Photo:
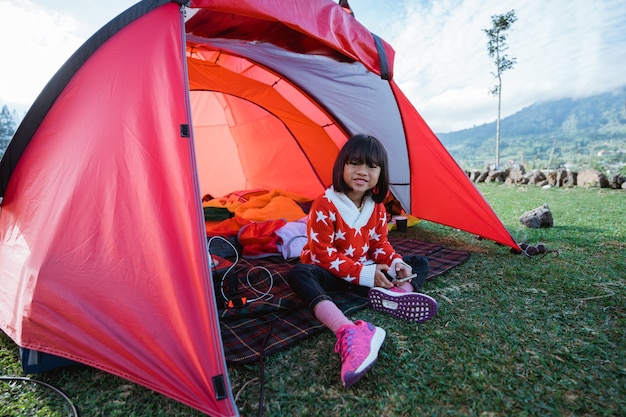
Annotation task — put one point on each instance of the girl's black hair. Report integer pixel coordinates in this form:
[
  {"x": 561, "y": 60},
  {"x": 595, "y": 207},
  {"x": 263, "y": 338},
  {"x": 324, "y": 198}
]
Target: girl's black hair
[{"x": 368, "y": 150}]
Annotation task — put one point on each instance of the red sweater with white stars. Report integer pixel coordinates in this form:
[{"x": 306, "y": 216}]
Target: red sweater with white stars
[{"x": 348, "y": 242}]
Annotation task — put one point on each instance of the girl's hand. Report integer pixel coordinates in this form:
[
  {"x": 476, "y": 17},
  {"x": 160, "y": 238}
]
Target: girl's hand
[
  {"x": 380, "y": 277},
  {"x": 402, "y": 270}
]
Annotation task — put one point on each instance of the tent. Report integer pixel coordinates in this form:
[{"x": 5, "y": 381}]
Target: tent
[{"x": 103, "y": 249}]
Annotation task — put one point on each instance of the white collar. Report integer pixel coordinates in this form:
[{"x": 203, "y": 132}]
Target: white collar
[{"x": 350, "y": 213}]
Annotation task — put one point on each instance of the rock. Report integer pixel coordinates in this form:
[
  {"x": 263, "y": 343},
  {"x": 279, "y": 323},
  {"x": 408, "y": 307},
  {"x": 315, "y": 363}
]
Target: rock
[
  {"x": 571, "y": 179},
  {"x": 617, "y": 182},
  {"x": 482, "y": 177},
  {"x": 496, "y": 176},
  {"x": 561, "y": 176},
  {"x": 539, "y": 217},
  {"x": 535, "y": 177},
  {"x": 556, "y": 178},
  {"x": 516, "y": 174},
  {"x": 474, "y": 175},
  {"x": 592, "y": 178}
]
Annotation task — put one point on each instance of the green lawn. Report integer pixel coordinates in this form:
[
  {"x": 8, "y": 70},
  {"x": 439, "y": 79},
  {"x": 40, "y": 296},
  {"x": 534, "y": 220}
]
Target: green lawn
[{"x": 515, "y": 336}]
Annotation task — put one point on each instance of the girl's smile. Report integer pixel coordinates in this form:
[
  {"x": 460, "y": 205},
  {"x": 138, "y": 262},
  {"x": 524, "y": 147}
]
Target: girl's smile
[{"x": 361, "y": 178}]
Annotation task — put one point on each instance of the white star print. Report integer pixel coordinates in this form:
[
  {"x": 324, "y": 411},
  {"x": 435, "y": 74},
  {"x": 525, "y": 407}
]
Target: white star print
[
  {"x": 374, "y": 235},
  {"x": 350, "y": 251},
  {"x": 379, "y": 251},
  {"x": 330, "y": 250},
  {"x": 321, "y": 217},
  {"x": 314, "y": 258},
  {"x": 332, "y": 215},
  {"x": 314, "y": 236},
  {"x": 340, "y": 235},
  {"x": 335, "y": 264},
  {"x": 349, "y": 278}
]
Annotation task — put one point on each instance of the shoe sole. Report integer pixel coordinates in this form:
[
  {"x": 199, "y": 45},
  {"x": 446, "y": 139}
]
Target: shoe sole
[
  {"x": 377, "y": 341},
  {"x": 412, "y": 307}
]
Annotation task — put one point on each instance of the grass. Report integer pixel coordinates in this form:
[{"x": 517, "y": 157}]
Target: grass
[{"x": 514, "y": 335}]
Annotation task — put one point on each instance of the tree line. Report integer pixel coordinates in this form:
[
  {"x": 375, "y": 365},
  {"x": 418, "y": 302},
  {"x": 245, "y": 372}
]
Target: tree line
[{"x": 8, "y": 125}]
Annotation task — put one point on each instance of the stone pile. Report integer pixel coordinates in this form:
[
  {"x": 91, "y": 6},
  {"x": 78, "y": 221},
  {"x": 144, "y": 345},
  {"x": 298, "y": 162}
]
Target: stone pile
[{"x": 561, "y": 177}]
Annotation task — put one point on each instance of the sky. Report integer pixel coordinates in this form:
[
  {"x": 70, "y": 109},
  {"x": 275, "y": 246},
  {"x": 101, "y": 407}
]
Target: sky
[{"x": 563, "y": 48}]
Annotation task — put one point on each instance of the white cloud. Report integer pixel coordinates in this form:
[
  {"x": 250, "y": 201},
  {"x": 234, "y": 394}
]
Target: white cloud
[
  {"x": 35, "y": 43},
  {"x": 564, "y": 48}
]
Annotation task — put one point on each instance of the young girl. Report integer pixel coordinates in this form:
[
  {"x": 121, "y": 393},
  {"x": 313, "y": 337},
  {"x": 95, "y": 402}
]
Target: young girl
[{"x": 347, "y": 245}]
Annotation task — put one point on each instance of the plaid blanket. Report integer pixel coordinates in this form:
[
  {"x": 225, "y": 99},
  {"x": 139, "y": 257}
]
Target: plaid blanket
[{"x": 277, "y": 319}]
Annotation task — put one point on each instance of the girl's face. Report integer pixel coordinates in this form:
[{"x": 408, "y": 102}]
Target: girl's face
[{"x": 361, "y": 177}]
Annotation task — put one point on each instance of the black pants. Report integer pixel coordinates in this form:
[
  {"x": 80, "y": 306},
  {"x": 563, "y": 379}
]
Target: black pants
[{"x": 312, "y": 283}]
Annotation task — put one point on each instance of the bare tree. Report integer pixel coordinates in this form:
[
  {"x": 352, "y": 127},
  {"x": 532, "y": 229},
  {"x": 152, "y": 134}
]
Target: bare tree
[{"x": 496, "y": 46}]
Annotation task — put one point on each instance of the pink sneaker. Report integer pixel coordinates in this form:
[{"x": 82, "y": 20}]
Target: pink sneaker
[
  {"x": 358, "y": 346},
  {"x": 409, "y": 306}
]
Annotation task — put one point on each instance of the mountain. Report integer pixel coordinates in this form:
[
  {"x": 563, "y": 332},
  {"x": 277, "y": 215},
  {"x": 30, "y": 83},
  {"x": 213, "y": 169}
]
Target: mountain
[
  {"x": 589, "y": 131},
  {"x": 569, "y": 132}
]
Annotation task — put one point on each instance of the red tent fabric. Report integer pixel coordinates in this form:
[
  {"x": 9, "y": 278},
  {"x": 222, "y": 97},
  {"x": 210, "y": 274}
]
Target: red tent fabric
[
  {"x": 103, "y": 249},
  {"x": 103, "y": 254}
]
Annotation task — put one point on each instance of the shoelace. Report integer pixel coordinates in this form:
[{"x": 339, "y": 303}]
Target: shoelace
[{"x": 344, "y": 342}]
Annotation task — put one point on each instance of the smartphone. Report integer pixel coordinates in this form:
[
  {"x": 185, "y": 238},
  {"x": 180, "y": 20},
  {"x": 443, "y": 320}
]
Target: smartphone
[{"x": 404, "y": 279}]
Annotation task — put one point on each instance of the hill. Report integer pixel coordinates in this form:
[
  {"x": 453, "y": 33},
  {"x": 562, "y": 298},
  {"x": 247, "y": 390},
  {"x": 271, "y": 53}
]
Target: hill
[
  {"x": 587, "y": 132},
  {"x": 569, "y": 132}
]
